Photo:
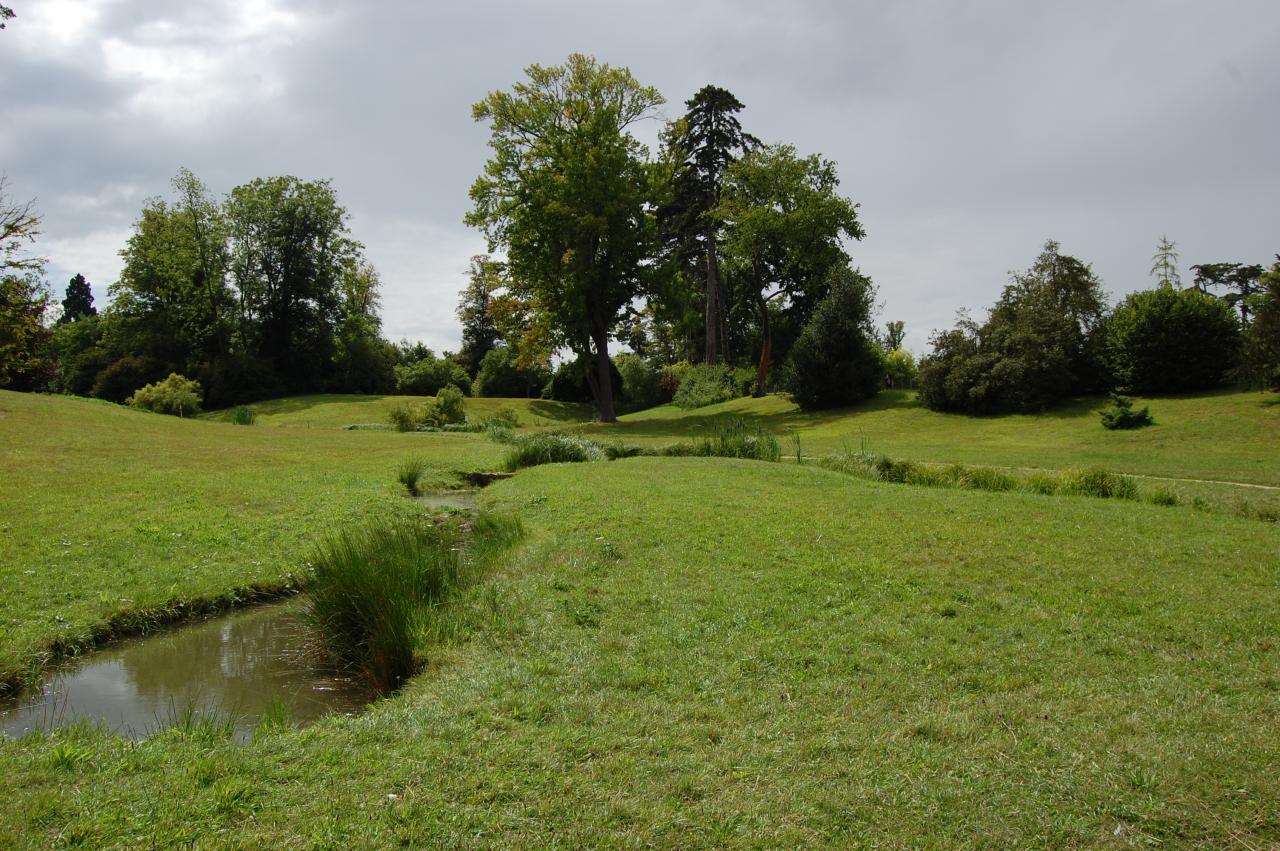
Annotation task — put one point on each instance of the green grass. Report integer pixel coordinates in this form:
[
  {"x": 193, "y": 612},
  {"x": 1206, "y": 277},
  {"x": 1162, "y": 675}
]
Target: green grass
[
  {"x": 804, "y": 659},
  {"x": 112, "y": 519},
  {"x": 1229, "y": 435},
  {"x": 339, "y": 411},
  {"x": 683, "y": 652}
]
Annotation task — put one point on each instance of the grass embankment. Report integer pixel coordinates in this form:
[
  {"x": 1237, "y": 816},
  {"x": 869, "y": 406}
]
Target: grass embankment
[
  {"x": 113, "y": 519},
  {"x": 1226, "y": 436},
  {"x": 335, "y": 411},
  {"x": 698, "y": 652}
]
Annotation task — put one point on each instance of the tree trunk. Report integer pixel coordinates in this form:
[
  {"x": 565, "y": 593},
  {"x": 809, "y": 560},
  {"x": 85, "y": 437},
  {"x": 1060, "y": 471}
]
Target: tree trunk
[
  {"x": 766, "y": 345},
  {"x": 713, "y": 300},
  {"x": 602, "y": 387}
]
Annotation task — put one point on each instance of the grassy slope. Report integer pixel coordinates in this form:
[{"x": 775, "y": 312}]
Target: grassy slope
[
  {"x": 337, "y": 411},
  {"x": 105, "y": 509},
  {"x": 803, "y": 658},
  {"x": 1229, "y": 435}
]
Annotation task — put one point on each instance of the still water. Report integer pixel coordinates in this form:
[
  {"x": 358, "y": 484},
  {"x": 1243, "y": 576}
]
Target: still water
[{"x": 240, "y": 665}]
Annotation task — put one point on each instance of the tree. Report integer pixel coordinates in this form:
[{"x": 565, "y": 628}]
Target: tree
[
  {"x": 1234, "y": 276},
  {"x": 835, "y": 362},
  {"x": 24, "y": 297},
  {"x": 79, "y": 301},
  {"x": 895, "y": 332},
  {"x": 784, "y": 222},
  {"x": 704, "y": 143},
  {"x": 6, "y": 14},
  {"x": 1261, "y": 352},
  {"x": 1169, "y": 341},
  {"x": 1164, "y": 265},
  {"x": 1040, "y": 344},
  {"x": 566, "y": 194},
  {"x": 19, "y": 224},
  {"x": 479, "y": 333}
]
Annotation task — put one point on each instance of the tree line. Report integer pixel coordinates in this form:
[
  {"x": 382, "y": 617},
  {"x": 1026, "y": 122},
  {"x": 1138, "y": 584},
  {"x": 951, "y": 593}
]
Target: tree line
[{"x": 720, "y": 261}]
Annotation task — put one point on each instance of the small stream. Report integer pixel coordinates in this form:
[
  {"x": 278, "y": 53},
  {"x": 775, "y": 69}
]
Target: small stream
[{"x": 239, "y": 665}]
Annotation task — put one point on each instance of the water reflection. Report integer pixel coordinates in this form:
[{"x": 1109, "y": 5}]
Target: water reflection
[{"x": 240, "y": 664}]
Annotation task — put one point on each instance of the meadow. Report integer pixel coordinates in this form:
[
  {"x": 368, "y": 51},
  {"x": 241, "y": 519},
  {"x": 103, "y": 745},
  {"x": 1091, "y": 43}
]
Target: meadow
[{"x": 688, "y": 652}]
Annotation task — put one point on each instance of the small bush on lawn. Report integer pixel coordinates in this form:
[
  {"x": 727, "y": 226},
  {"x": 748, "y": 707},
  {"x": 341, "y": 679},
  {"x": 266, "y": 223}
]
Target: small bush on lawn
[
  {"x": 1122, "y": 415},
  {"x": 704, "y": 385},
  {"x": 1098, "y": 483},
  {"x": 176, "y": 395},
  {"x": 448, "y": 408},
  {"x": 550, "y": 447},
  {"x": 243, "y": 415}
]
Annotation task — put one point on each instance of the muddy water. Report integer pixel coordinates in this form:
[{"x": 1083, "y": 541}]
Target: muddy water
[
  {"x": 459, "y": 500},
  {"x": 240, "y": 665}
]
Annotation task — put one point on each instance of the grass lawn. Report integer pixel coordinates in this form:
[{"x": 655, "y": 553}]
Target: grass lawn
[
  {"x": 683, "y": 652},
  {"x": 701, "y": 652},
  {"x": 1229, "y": 435}
]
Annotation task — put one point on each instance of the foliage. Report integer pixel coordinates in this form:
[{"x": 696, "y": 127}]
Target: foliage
[
  {"x": 740, "y": 438},
  {"x": 1121, "y": 415},
  {"x": 551, "y": 447},
  {"x": 566, "y": 194},
  {"x": 502, "y": 375},
  {"x": 1261, "y": 352},
  {"x": 640, "y": 380},
  {"x": 23, "y": 336},
  {"x": 894, "y": 333},
  {"x": 410, "y": 473},
  {"x": 479, "y": 333},
  {"x": 784, "y": 222},
  {"x": 75, "y": 348},
  {"x": 1240, "y": 279},
  {"x": 78, "y": 302},
  {"x": 701, "y": 145},
  {"x": 835, "y": 362},
  {"x": 1171, "y": 341},
  {"x": 243, "y": 415},
  {"x": 448, "y": 407},
  {"x": 1039, "y": 345},
  {"x": 176, "y": 395},
  {"x": 705, "y": 384},
  {"x": 901, "y": 366},
  {"x": 571, "y": 381},
  {"x": 19, "y": 225},
  {"x": 1164, "y": 264},
  {"x": 118, "y": 381},
  {"x": 427, "y": 376}
]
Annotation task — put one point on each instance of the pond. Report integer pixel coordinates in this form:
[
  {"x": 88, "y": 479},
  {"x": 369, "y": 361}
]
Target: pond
[{"x": 239, "y": 665}]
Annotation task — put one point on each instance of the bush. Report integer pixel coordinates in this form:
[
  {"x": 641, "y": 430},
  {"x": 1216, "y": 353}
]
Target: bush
[
  {"x": 243, "y": 415},
  {"x": 1097, "y": 483},
  {"x": 1171, "y": 341},
  {"x": 1261, "y": 360},
  {"x": 640, "y": 380},
  {"x": 447, "y": 408},
  {"x": 569, "y": 382},
  {"x": 427, "y": 377},
  {"x": 175, "y": 395},
  {"x": 500, "y": 375},
  {"x": 835, "y": 362},
  {"x": 551, "y": 447},
  {"x": 704, "y": 385},
  {"x": 1121, "y": 414},
  {"x": 119, "y": 380}
]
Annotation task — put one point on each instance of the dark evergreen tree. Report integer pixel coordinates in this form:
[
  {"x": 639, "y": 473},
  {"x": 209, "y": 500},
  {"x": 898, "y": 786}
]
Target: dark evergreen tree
[
  {"x": 704, "y": 143},
  {"x": 836, "y": 361},
  {"x": 1239, "y": 279},
  {"x": 479, "y": 333},
  {"x": 79, "y": 301}
]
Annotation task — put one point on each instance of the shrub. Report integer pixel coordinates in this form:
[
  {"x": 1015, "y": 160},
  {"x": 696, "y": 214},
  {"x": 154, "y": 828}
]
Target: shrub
[
  {"x": 119, "y": 380},
  {"x": 551, "y": 447},
  {"x": 501, "y": 375},
  {"x": 640, "y": 380},
  {"x": 232, "y": 379},
  {"x": 243, "y": 415},
  {"x": 669, "y": 380},
  {"x": 1171, "y": 341},
  {"x": 569, "y": 382},
  {"x": 428, "y": 376},
  {"x": 901, "y": 366},
  {"x": 409, "y": 473},
  {"x": 1097, "y": 483},
  {"x": 175, "y": 395},
  {"x": 448, "y": 407},
  {"x": 1122, "y": 415},
  {"x": 835, "y": 362},
  {"x": 704, "y": 385},
  {"x": 404, "y": 417},
  {"x": 1261, "y": 357},
  {"x": 1163, "y": 496}
]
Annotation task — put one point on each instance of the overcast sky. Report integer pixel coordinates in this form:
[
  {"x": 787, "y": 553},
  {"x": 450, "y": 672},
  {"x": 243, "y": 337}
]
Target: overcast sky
[{"x": 969, "y": 132}]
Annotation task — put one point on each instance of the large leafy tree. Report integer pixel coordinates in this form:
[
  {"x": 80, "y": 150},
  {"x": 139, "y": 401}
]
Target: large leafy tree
[
  {"x": 1261, "y": 366},
  {"x": 703, "y": 144},
  {"x": 566, "y": 193},
  {"x": 1169, "y": 341},
  {"x": 784, "y": 224},
  {"x": 1040, "y": 344}
]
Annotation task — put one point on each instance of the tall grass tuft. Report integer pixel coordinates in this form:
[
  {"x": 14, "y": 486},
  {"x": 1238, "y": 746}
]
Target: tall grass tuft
[
  {"x": 410, "y": 473},
  {"x": 551, "y": 447},
  {"x": 243, "y": 415},
  {"x": 376, "y": 589}
]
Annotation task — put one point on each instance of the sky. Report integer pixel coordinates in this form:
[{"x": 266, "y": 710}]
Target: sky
[{"x": 969, "y": 132}]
